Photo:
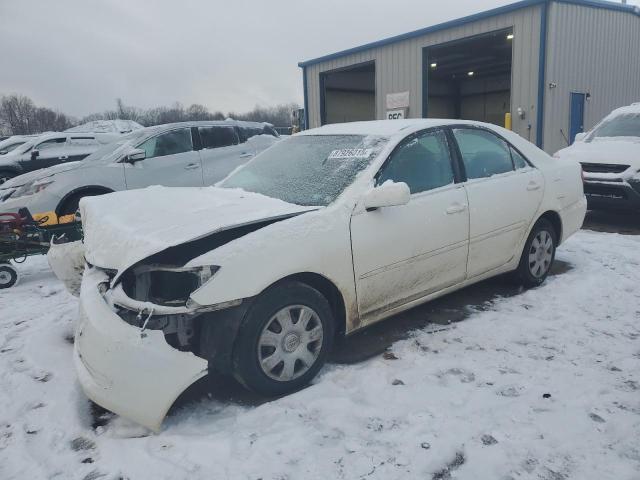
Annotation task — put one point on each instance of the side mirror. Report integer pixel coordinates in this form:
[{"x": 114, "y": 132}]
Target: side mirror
[
  {"x": 388, "y": 194},
  {"x": 580, "y": 137},
  {"x": 135, "y": 155},
  {"x": 34, "y": 154}
]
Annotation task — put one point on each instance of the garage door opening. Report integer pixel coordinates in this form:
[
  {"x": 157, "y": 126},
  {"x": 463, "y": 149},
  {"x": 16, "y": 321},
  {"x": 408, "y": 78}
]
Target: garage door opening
[
  {"x": 470, "y": 79},
  {"x": 348, "y": 94}
]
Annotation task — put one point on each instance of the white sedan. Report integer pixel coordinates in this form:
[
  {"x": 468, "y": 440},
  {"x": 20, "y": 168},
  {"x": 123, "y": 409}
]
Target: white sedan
[{"x": 321, "y": 235}]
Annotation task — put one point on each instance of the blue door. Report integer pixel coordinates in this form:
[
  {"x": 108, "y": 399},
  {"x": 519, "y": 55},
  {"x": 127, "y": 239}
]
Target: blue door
[{"x": 576, "y": 116}]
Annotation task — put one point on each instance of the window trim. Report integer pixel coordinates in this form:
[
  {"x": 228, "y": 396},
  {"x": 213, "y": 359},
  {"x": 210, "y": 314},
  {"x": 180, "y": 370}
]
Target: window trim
[
  {"x": 452, "y": 160},
  {"x": 37, "y": 147},
  {"x": 458, "y": 152}
]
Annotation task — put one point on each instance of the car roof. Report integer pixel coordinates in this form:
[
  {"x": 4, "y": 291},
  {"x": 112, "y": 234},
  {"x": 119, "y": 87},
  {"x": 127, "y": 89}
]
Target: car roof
[
  {"x": 204, "y": 123},
  {"x": 387, "y": 128}
]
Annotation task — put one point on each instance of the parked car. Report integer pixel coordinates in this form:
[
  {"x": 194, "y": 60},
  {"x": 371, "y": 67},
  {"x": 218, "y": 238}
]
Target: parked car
[
  {"x": 610, "y": 158},
  {"x": 325, "y": 233},
  {"x": 11, "y": 143},
  {"x": 176, "y": 155},
  {"x": 50, "y": 149},
  {"x": 106, "y": 126}
]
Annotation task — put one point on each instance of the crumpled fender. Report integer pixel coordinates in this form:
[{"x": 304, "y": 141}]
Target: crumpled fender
[{"x": 67, "y": 262}]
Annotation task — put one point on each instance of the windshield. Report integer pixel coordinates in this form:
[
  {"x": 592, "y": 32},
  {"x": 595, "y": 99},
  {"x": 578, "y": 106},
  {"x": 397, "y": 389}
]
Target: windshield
[
  {"x": 110, "y": 151},
  {"x": 10, "y": 146},
  {"x": 626, "y": 125},
  {"x": 307, "y": 170}
]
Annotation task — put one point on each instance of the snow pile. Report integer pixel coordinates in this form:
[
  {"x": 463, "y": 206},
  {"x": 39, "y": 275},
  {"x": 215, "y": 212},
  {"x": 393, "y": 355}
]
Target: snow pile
[
  {"x": 542, "y": 385},
  {"x": 106, "y": 126}
]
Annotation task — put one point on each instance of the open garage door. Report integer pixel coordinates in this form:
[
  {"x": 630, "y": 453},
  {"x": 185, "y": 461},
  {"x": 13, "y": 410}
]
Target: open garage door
[
  {"x": 470, "y": 79},
  {"x": 348, "y": 94}
]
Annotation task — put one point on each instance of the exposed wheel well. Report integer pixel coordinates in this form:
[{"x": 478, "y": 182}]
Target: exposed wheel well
[
  {"x": 329, "y": 291},
  {"x": 79, "y": 193},
  {"x": 556, "y": 221}
]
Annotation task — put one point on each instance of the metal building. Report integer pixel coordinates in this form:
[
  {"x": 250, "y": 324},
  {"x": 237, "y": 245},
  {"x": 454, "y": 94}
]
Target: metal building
[{"x": 556, "y": 66}]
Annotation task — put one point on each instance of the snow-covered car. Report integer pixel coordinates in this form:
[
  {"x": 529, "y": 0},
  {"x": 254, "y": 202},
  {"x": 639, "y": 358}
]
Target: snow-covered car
[
  {"x": 49, "y": 149},
  {"x": 106, "y": 126},
  {"x": 180, "y": 154},
  {"x": 13, "y": 142},
  {"x": 325, "y": 233},
  {"x": 610, "y": 158}
]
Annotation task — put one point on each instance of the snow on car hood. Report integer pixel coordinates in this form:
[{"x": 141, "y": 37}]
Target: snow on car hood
[
  {"x": 39, "y": 174},
  {"x": 122, "y": 228},
  {"x": 617, "y": 152}
]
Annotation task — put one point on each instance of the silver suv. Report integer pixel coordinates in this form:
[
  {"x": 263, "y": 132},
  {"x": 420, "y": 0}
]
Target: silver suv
[{"x": 182, "y": 154}]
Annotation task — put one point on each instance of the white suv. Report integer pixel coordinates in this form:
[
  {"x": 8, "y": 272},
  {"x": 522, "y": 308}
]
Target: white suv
[
  {"x": 188, "y": 154},
  {"x": 610, "y": 158}
]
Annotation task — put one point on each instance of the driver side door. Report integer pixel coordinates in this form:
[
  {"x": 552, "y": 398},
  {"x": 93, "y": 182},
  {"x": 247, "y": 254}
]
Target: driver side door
[
  {"x": 170, "y": 161},
  {"x": 404, "y": 253}
]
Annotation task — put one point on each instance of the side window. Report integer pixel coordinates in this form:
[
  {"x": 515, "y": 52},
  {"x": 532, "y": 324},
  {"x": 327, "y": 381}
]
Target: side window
[
  {"x": 170, "y": 143},
  {"x": 51, "y": 144},
  {"x": 483, "y": 153},
  {"x": 423, "y": 163},
  {"x": 216, "y": 137},
  {"x": 518, "y": 160},
  {"x": 84, "y": 142}
]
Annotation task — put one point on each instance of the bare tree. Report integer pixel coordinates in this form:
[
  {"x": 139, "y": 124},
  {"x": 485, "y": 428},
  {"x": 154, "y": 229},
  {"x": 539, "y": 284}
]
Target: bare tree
[{"x": 20, "y": 116}]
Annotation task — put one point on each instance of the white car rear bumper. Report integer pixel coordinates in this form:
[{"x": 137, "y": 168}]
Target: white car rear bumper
[
  {"x": 134, "y": 374},
  {"x": 573, "y": 217}
]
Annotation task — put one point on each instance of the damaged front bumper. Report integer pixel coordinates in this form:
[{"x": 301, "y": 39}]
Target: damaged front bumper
[{"x": 131, "y": 371}]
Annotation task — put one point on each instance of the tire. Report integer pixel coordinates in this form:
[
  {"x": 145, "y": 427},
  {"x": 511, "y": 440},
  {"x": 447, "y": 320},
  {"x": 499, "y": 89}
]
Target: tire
[
  {"x": 6, "y": 175},
  {"x": 274, "y": 353},
  {"x": 70, "y": 205},
  {"x": 538, "y": 254},
  {"x": 8, "y": 276}
]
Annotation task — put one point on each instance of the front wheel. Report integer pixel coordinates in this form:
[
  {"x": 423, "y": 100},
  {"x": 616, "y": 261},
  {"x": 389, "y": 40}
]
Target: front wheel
[
  {"x": 538, "y": 254},
  {"x": 8, "y": 276},
  {"x": 285, "y": 339}
]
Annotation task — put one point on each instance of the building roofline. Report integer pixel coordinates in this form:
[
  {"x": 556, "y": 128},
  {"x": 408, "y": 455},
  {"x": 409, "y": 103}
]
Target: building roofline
[{"x": 602, "y": 4}]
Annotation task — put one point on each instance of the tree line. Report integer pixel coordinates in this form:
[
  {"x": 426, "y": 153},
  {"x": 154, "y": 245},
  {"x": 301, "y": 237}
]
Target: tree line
[{"x": 19, "y": 115}]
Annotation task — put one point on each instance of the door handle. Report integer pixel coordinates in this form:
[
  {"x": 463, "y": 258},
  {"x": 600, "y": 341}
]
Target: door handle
[
  {"x": 533, "y": 186},
  {"x": 192, "y": 166},
  {"x": 246, "y": 155},
  {"x": 456, "y": 208},
  {"x": 63, "y": 157}
]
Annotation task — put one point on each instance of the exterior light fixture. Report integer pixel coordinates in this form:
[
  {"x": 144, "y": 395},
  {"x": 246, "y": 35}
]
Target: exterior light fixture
[
  {"x": 434, "y": 65},
  {"x": 471, "y": 74},
  {"x": 510, "y": 36}
]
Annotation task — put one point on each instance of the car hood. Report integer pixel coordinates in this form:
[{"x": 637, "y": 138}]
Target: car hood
[
  {"x": 39, "y": 174},
  {"x": 123, "y": 228},
  {"x": 616, "y": 152}
]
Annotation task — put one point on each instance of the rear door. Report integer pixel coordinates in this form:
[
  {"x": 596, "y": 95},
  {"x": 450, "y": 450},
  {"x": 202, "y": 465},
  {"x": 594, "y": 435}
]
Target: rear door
[
  {"x": 170, "y": 160},
  {"x": 45, "y": 154},
  {"x": 222, "y": 151},
  {"x": 80, "y": 146},
  {"x": 504, "y": 193},
  {"x": 402, "y": 253}
]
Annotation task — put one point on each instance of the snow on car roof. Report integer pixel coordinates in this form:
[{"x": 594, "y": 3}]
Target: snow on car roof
[
  {"x": 634, "y": 108},
  {"x": 384, "y": 127},
  {"x": 106, "y": 126}
]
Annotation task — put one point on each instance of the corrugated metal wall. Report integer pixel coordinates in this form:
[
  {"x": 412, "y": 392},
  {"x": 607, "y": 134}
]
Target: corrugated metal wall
[
  {"x": 589, "y": 50},
  {"x": 399, "y": 66}
]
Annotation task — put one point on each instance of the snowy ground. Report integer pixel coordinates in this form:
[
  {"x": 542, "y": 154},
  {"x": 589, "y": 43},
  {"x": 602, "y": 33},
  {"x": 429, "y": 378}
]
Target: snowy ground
[{"x": 542, "y": 385}]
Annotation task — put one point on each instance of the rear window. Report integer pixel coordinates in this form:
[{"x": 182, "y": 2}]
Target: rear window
[{"x": 216, "y": 137}]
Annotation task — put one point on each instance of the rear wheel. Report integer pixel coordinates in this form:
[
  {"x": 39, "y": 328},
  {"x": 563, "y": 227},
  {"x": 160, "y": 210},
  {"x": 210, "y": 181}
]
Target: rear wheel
[
  {"x": 538, "y": 254},
  {"x": 284, "y": 340},
  {"x": 8, "y": 275}
]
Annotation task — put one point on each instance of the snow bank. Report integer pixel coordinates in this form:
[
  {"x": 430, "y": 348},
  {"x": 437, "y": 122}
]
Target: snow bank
[{"x": 542, "y": 385}]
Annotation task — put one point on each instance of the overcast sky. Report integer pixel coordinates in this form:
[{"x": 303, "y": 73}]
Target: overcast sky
[{"x": 77, "y": 56}]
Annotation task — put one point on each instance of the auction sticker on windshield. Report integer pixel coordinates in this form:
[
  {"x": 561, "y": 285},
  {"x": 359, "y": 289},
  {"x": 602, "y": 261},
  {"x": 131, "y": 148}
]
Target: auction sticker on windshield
[{"x": 350, "y": 153}]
